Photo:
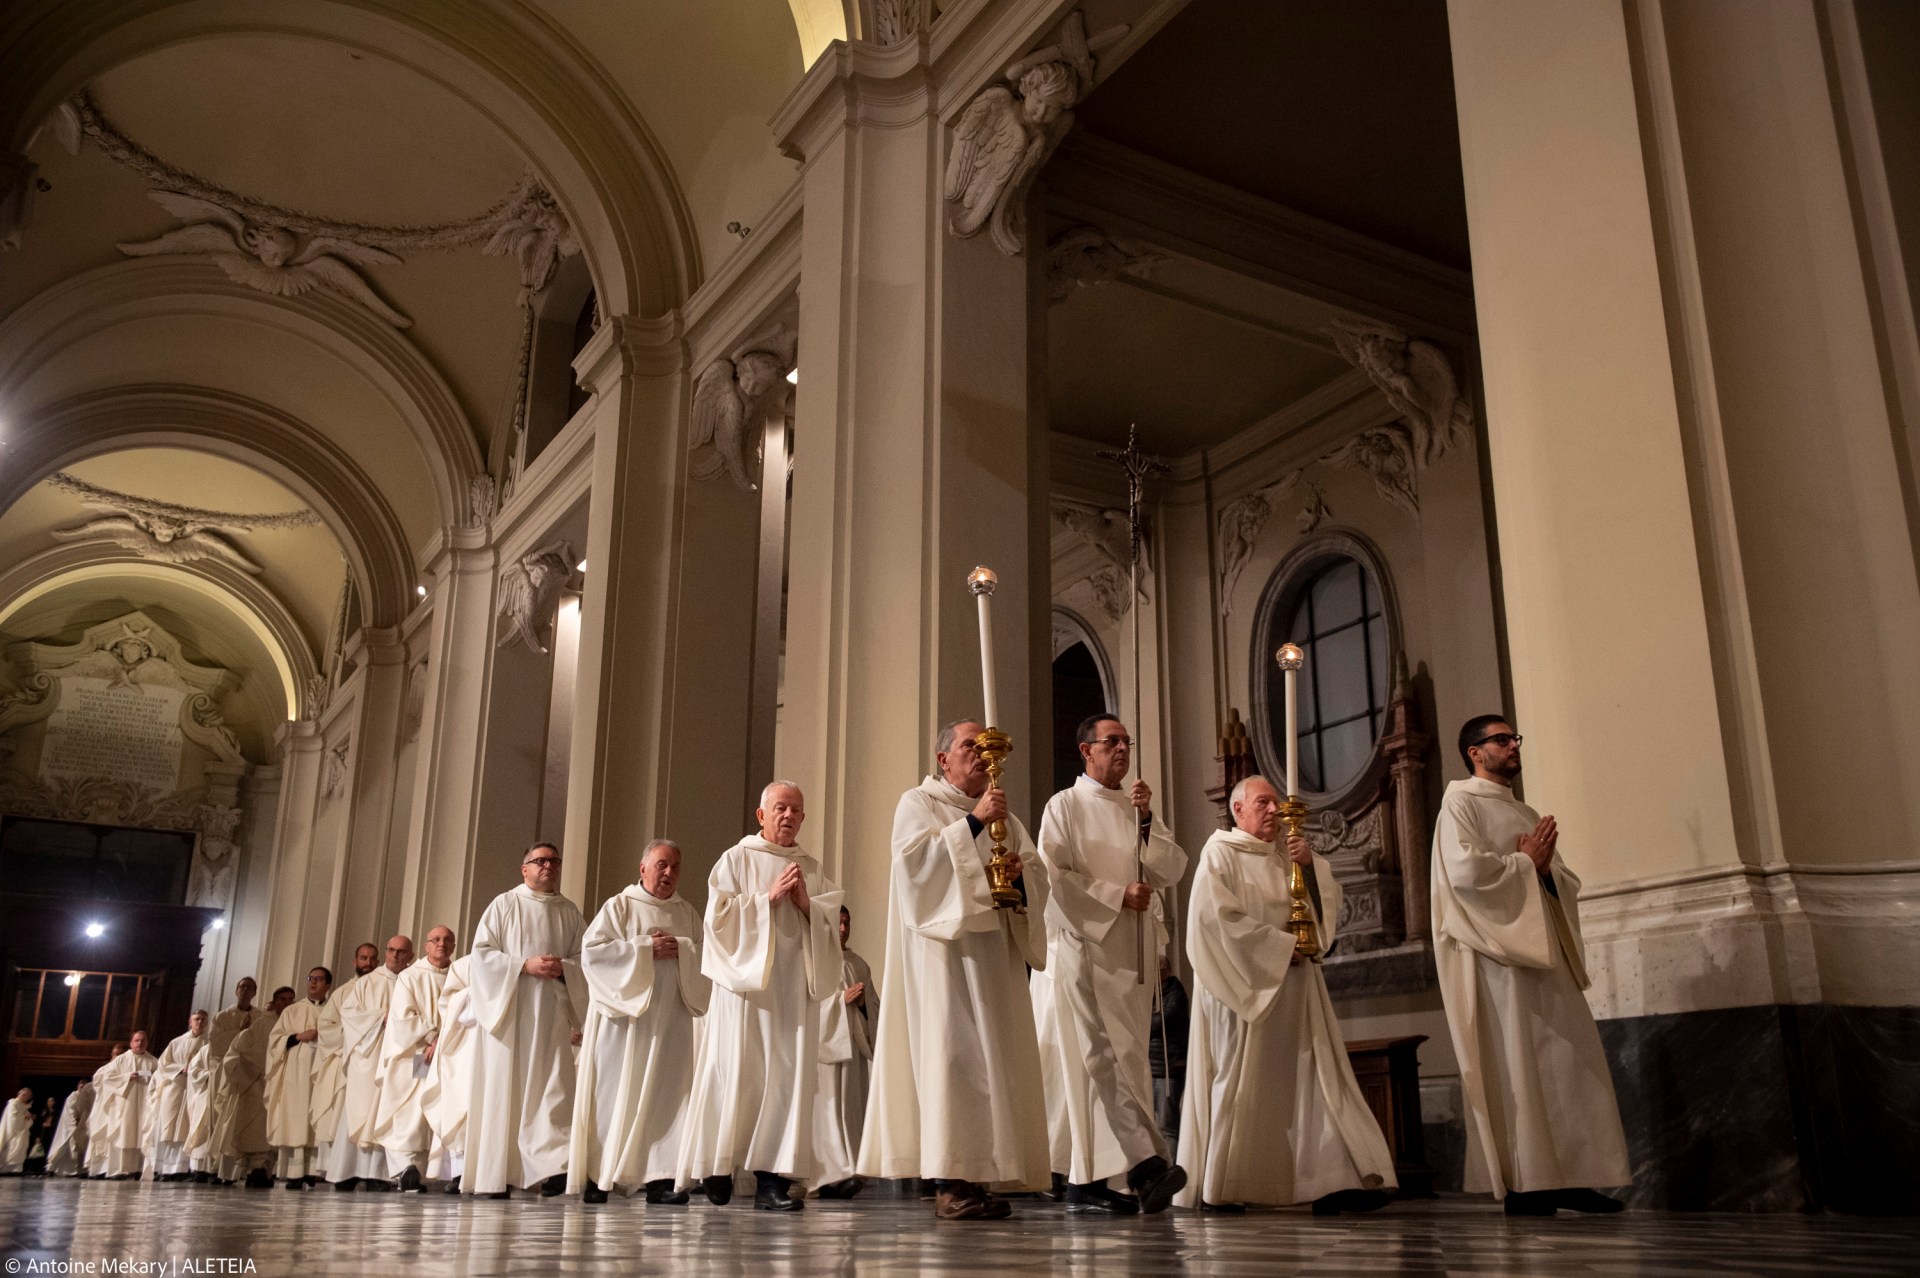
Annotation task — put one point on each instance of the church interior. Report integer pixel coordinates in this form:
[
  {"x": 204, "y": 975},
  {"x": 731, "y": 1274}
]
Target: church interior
[{"x": 430, "y": 427}]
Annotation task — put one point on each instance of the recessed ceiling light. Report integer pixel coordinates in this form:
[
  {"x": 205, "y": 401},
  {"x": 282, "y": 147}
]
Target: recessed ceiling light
[
  {"x": 96, "y": 930},
  {"x": 73, "y": 978}
]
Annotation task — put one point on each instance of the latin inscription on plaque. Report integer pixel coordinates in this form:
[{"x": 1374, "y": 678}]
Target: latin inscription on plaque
[{"x": 128, "y": 732}]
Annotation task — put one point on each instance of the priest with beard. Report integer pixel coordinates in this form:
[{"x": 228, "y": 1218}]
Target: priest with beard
[
  {"x": 170, "y": 1103},
  {"x": 1106, "y": 856},
  {"x": 303, "y": 1083},
  {"x": 641, "y": 957},
  {"x": 956, "y": 1096},
  {"x": 1273, "y": 1114},
  {"x": 771, "y": 955},
  {"x": 67, "y": 1151},
  {"x": 1543, "y": 1127},
  {"x": 240, "y": 1144},
  {"x": 846, "y": 1070},
  {"x": 356, "y": 1157},
  {"x": 120, "y": 1111},
  {"x": 528, "y": 996},
  {"x": 406, "y": 1062}
]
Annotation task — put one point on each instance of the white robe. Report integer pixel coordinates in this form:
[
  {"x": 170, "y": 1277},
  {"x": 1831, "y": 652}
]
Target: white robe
[
  {"x": 354, "y": 1152},
  {"x": 956, "y": 1069},
  {"x": 170, "y": 1106},
  {"x": 221, "y": 1031},
  {"x": 520, "y": 1108},
  {"x": 16, "y": 1134},
  {"x": 96, "y": 1151},
  {"x": 413, "y": 1023},
  {"x": 240, "y": 1141},
  {"x": 752, "y": 1106},
  {"x": 1272, "y": 1113},
  {"x": 1541, "y": 1112},
  {"x": 637, "y": 1051},
  {"x": 846, "y": 1069},
  {"x": 1101, "y": 1008},
  {"x": 118, "y": 1130},
  {"x": 67, "y": 1154},
  {"x": 303, "y": 1087},
  {"x": 450, "y": 1078}
]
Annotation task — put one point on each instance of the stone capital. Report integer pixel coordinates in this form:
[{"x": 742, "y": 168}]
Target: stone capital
[{"x": 632, "y": 346}]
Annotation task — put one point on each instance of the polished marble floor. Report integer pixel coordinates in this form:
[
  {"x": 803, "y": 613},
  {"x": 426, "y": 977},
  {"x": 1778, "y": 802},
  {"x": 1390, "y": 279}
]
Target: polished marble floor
[{"x": 328, "y": 1233}]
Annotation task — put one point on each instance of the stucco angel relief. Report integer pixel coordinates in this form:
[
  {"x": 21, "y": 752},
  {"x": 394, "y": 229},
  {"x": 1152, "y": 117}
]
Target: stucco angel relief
[
  {"x": 1008, "y": 131},
  {"x": 271, "y": 259},
  {"x": 733, "y": 397}
]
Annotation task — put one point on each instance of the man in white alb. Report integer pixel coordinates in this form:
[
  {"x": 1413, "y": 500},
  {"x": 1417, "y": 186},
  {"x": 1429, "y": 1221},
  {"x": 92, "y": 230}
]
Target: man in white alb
[
  {"x": 771, "y": 955},
  {"x": 16, "y": 1133},
  {"x": 641, "y": 957},
  {"x": 846, "y": 1055},
  {"x": 406, "y": 1059},
  {"x": 956, "y": 1095},
  {"x": 221, "y": 1031},
  {"x": 528, "y": 997},
  {"x": 1106, "y": 856},
  {"x": 450, "y": 1078},
  {"x": 1273, "y": 1114},
  {"x": 1543, "y": 1127},
  {"x": 120, "y": 1111},
  {"x": 170, "y": 1103},
  {"x": 95, "y": 1155},
  {"x": 67, "y": 1151},
  {"x": 303, "y": 1083},
  {"x": 356, "y": 1157},
  {"x": 240, "y": 1144}
]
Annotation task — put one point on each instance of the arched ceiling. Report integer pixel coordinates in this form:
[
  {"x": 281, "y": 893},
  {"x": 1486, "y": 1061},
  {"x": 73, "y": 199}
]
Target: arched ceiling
[{"x": 302, "y": 567}]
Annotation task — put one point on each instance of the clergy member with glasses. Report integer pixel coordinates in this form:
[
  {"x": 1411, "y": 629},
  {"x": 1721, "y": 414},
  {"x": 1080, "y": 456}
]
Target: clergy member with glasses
[{"x": 1543, "y": 1128}]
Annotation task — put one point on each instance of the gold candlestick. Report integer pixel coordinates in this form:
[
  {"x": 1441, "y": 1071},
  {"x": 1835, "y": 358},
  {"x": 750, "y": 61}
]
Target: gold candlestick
[
  {"x": 1306, "y": 938},
  {"x": 995, "y": 746}
]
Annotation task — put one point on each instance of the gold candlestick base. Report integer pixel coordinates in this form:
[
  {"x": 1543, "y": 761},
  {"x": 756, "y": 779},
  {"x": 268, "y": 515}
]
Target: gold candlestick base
[
  {"x": 995, "y": 746},
  {"x": 1306, "y": 937}
]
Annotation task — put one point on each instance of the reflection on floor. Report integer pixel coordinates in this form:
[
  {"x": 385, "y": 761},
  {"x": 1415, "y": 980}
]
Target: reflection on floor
[{"x": 329, "y": 1233}]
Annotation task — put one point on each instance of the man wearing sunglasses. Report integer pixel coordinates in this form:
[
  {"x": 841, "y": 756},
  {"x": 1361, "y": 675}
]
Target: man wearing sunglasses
[{"x": 1543, "y": 1127}]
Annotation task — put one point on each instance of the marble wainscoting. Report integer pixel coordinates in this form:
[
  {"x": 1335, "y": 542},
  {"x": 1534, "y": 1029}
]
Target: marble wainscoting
[{"x": 1773, "y": 1108}]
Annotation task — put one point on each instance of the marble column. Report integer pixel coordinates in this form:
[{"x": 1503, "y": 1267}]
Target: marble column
[
  {"x": 914, "y": 460},
  {"x": 369, "y": 906},
  {"x": 291, "y": 944}
]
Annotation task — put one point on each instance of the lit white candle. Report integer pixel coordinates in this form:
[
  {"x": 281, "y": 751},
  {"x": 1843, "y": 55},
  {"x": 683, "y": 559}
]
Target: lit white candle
[
  {"x": 982, "y": 581},
  {"x": 1291, "y": 659}
]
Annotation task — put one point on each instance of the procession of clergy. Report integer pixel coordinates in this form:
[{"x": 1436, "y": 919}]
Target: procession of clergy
[{"x": 655, "y": 1052}]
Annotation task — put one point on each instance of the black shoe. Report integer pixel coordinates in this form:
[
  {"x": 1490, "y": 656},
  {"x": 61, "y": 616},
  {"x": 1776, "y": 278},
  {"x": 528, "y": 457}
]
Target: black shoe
[
  {"x": 1057, "y": 1192},
  {"x": 1097, "y": 1197},
  {"x": 840, "y": 1188},
  {"x": 554, "y": 1185},
  {"x": 369, "y": 1185},
  {"x": 346, "y": 1186},
  {"x": 593, "y": 1194},
  {"x": 661, "y": 1193},
  {"x": 1354, "y": 1200},
  {"x": 1224, "y": 1209},
  {"x": 259, "y": 1178},
  {"x": 296, "y": 1183},
  {"x": 497, "y": 1195},
  {"x": 1586, "y": 1200},
  {"x": 1155, "y": 1183},
  {"x": 408, "y": 1181},
  {"x": 453, "y": 1186},
  {"x": 718, "y": 1189},
  {"x": 311, "y": 1182},
  {"x": 774, "y": 1194},
  {"x": 1539, "y": 1203}
]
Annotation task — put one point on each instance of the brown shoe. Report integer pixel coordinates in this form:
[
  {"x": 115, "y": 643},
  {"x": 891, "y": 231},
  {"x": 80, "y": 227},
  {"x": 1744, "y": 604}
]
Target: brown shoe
[{"x": 962, "y": 1204}]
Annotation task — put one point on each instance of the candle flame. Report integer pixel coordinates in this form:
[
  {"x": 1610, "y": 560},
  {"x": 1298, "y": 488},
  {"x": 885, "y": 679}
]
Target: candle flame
[
  {"x": 982, "y": 580},
  {"x": 1289, "y": 657}
]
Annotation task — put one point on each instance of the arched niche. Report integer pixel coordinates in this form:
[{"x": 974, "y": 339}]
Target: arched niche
[{"x": 1077, "y": 653}]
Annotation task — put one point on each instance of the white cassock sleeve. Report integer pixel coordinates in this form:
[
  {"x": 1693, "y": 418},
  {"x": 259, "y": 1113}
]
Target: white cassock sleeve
[
  {"x": 940, "y": 880},
  {"x": 493, "y": 969},
  {"x": 1088, "y": 904},
  {"x": 1499, "y": 906},
  {"x": 1241, "y": 960},
  {"x": 739, "y": 930}
]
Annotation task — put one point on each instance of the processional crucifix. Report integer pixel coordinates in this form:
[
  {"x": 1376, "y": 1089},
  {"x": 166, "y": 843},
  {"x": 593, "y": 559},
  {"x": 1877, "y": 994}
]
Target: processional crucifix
[{"x": 1138, "y": 467}]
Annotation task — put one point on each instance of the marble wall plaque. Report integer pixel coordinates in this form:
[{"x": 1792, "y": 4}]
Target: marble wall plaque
[{"x": 124, "y": 731}]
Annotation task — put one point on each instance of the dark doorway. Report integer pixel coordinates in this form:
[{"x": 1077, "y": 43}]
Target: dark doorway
[{"x": 1077, "y": 693}]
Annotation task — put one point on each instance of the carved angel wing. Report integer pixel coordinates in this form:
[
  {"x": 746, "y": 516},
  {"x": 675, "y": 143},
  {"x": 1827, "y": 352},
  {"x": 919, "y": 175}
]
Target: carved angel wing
[
  {"x": 1430, "y": 374},
  {"x": 338, "y": 276},
  {"x": 517, "y": 606},
  {"x": 719, "y": 426},
  {"x": 989, "y": 142},
  {"x": 332, "y": 246},
  {"x": 196, "y": 239},
  {"x": 118, "y": 529},
  {"x": 244, "y": 268},
  {"x": 192, "y": 209},
  {"x": 201, "y": 545}
]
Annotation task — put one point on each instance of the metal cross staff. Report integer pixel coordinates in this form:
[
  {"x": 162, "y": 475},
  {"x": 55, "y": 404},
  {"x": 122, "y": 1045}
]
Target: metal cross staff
[{"x": 1138, "y": 467}]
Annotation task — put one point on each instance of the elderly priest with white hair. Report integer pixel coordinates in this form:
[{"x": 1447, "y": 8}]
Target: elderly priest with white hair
[
  {"x": 1273, "y": 1114},
  {"x": 641, "y": 957},
  {"x": 1543, "y": 1127},
  {"x": 528, "y": 994},
  {"x": 772, "y": 955},
  {"x": 406, "y": 1058},
  {"x": 120, "y": 1111},
  {"x": 956, "y": 1096}
]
